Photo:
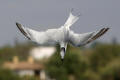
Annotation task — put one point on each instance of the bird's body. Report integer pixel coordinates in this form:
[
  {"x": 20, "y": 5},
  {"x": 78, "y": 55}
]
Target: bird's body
[{"x": 62, "y": 35}]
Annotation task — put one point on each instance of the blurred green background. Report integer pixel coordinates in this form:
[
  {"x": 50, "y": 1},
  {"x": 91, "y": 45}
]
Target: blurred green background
[{"x": 100, "y": 61}]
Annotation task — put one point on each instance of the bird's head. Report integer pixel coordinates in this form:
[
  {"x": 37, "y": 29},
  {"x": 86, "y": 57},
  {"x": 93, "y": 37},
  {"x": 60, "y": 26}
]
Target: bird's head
[{"x": 62, "y": 53}]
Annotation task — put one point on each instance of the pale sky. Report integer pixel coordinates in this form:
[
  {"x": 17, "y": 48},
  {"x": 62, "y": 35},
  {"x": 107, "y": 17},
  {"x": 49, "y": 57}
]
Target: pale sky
[{"x": 43, "y": 14}]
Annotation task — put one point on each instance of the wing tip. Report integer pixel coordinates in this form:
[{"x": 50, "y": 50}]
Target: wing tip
[
  {"x": 18, "y": 25},
  {"x": 106, "y": 29},
  {"x": 102, "y": 31}
]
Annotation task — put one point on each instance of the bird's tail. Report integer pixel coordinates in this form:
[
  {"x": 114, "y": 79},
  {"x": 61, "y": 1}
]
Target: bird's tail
[{"x": 71, "y": 19}]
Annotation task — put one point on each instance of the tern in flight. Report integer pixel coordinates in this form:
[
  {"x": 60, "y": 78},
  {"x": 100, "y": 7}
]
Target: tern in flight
[{"x": 62, "y": 35}]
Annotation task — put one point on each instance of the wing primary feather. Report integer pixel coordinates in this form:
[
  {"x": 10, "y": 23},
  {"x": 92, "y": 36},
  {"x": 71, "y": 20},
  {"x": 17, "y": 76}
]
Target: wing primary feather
[
  {"x": 19, "y": 26},
  {"x": 100, "y": 33},
  {"x": 103, "y": 32}
]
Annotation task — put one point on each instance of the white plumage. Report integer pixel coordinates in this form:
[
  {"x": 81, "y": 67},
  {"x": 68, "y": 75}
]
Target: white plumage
[{"x": 62, "y": 35}]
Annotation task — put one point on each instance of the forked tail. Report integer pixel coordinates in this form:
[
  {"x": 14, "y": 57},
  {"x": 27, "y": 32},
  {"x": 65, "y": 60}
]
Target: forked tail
[{"x": 71, "y": 19}]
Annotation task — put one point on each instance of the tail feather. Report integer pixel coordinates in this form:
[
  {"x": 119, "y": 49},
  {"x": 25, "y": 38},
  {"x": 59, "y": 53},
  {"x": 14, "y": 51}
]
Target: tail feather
[{"x": 71, "y": 20}]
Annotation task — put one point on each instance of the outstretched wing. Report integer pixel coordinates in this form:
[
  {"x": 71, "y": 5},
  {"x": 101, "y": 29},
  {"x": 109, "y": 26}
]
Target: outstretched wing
[
  {"x": 83, "y": 39},
  {"x": 42, "y": 38},
  {"x": 71, "y": 19}
]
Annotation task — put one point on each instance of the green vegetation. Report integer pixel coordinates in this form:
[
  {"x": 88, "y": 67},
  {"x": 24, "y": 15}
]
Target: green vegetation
[
  {"x": 8, "y": 75},
  {"x": 7, "y": 52},
  {"x": 99, "y": 62}
]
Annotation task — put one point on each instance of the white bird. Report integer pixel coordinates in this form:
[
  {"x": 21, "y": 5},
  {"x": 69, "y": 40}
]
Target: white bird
[{"x": 62, "y": 35}]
